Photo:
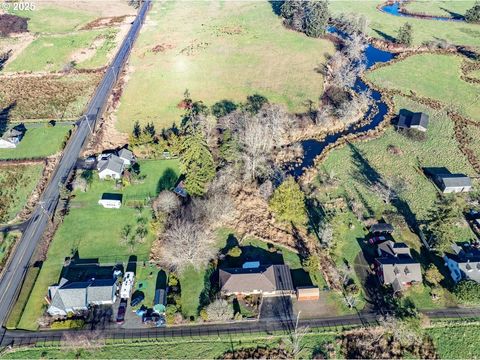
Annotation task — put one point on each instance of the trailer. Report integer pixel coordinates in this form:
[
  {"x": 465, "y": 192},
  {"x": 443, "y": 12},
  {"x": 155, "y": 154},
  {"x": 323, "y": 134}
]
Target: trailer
[{"x": 127, "y": 285}]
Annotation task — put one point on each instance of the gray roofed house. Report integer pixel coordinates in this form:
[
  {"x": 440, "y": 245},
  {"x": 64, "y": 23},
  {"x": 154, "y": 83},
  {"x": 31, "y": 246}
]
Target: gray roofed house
[
  {"x": 396, "y": 267},
  {"x": 71, "y": 297},
  {"x": 464, "y": 263},
  {"x": 449, "y": 183},
  {"x": 127, "y": 156},
  {"x": 269, "y": 281},
  {"x": 111, "y": 166},
  {"x": 418, "y": 121}
]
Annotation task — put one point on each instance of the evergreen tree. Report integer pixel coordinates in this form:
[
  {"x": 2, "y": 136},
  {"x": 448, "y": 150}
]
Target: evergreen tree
[
  {"x": 196, "y": 162},
  {"x": 468, "y": 292},
  {"x": 288, "y": 203},
  {"x": 473, "y": 14},
  {"x": 316, "y": 19},
  {"x": 405, "y": 34},
  {"x": 442, "y": 222},
  {"x": 149, "y": 129},
  {"x": 293, "y": 11},
  {"x": 136, "y": 130}
]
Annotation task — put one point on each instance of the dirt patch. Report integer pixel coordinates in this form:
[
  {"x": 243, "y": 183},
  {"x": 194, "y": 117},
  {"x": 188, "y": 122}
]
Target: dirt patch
[
  {"x": 12, "y": 24},
  {"x": 258, "y": 353},
  {"x": 162, "y": 48},
  {"x": 228, "y": 30},
  {"x": 107, "y": 22},
  {"x": 194, "y": 48}
]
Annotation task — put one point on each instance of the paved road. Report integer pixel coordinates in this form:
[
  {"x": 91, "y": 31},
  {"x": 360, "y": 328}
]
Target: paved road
[
  {"x": 234, "y": 329},
  {"x": 12, "y": 278}
]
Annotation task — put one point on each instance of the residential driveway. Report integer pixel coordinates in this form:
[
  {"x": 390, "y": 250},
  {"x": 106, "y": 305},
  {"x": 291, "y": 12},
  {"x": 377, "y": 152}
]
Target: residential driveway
[
  {"x": 276, "y": 308},
  {"x": 314, "y": 309}
]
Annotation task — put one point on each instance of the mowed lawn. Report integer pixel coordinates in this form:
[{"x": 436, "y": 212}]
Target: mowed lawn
[
  {"x": 53, "y": 52},
  {"x": 16, "y": 184},
  {"x": 375, "y": 158},
  {"x": 221, "y": 50},
  {"x": 451, "y": 8},
  {"x": 38, "y": 142},
  {"x": 385, "y": 26},
  {"x": 456, "y": 341},
  {"x": 95, "y": 232},
  {"x": 433, "y": 76}
]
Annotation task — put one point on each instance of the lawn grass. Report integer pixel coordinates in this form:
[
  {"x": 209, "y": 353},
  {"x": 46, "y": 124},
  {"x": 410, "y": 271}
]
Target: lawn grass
[
  {"x": 38, "y": 142},
  {"x": 146, "y": 281},
  {"x": 433, "y": 76},
  {"x": 180, "y": 348},
  {"x": 192, "y": 283},
  {"x": 7, "y": 241},
  {"x": 385, "y": 26},
  {"x": 456, "y": 341},
  {"x": 54, "y": 19},
  {"x": 225, "y": 50},
  {"x": 16, "y": 184},
  {"x": 53, "y": 52},
  {"x": 94, "y": 232},
  {"x": 439, "y": 8}
]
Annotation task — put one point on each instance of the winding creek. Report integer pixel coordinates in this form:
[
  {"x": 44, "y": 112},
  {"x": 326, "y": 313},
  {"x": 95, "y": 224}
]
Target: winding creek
[{"x": 313, "y": 148}]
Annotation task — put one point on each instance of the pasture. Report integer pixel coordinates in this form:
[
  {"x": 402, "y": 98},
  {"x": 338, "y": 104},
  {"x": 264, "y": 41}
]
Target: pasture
[
  {"x": 440, "y": 8},
  {"x": 433, "y": 76},
  {"x": 223, "y": 50},
  {"x": 385, "y": 26}
]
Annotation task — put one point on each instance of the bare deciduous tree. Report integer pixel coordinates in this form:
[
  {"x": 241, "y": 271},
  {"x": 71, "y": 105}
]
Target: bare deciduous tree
[
  {"x": 294, "y": 340},
  {"x": 219, "y": 310},
  {"x": 185, "y": 244},
  {"x": 350, "y": 300},
  {"x": 166, "y": 202},
  {"x": 326, "y": 235}
]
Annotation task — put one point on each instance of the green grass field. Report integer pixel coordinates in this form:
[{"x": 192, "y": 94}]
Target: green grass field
[
  {"x": 223, "y": 50},
  {"x": 53, "y": 52},
  {"x": 433, "y": 76},
  {"x": 350, "y": 164},
  {"x": 384, "y": 25},
  {"x": 179, "y": 348},
  {"x": 456, "y": 341},
  {"x": 94, "y": 232},
  {"x": 54, "y": 19},
  {"x": 440, "y": 8},
  {"x": 16, "y": 184},
  {"x": 38, "y": 142}
]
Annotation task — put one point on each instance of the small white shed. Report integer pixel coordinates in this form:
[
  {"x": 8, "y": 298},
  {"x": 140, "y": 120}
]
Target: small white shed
[{"x": 111, "y": 201}]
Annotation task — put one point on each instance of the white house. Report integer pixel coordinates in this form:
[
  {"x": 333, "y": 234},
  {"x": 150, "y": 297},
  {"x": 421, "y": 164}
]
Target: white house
[
  {"x": 464, "y": 263},
  {"x": 111, "y": 201},
  {"x": 127, "y": 157},
  {"x": 11, "y": 138},
  {"x": 110, "y": 166}
]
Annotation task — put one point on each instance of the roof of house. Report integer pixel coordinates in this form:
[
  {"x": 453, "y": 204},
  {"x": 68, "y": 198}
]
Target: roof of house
[
  {"x": 455, "y": 180},
  {"x": 126, "y": 154},
  {"x": 415, "y": 119},
  {"x": 265, "y": 279},
  {"x": 80, "y": 294},
  {"x": 381, "y": 227},
  {"x": 113, "y": 163},
  {"x": 394, "y": 249}
]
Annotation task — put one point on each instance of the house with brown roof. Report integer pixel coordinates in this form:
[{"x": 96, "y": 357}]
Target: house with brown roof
[
  {"x": 395, "y": 266},
  {"x": 269, "y": 281}
]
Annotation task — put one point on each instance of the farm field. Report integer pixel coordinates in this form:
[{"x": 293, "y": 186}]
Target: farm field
[
  {"x": 46, "y": 97},
  {"x": 178, "y": 349},
  {"x": 16, "y": 184},
  {"x": 50, "y": 18},
  {"x": 95, "y": 232},
  {"x": 385, "y": 26},
  {"x": 38, "y": 142},
  {"x": 53, "y": 52},
  {"x": 456, "y": 341},
  {"x": 239, "y": 49},
  {"x": 440, "y": 8},
  {"x": 432, "y": 76}
]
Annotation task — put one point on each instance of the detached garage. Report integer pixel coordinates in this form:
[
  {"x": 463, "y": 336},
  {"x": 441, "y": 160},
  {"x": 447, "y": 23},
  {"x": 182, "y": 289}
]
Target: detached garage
[{"x": 308, "y": 293}]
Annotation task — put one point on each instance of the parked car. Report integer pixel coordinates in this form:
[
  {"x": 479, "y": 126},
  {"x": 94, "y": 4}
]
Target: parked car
[
  {"x": 137, "y": 298},
  {"x": 122, "y": 308},
  {"x": 377, "y": 239}
]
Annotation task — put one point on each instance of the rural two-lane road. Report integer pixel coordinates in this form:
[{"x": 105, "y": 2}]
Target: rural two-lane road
[{"x": 19, "y": 261}]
